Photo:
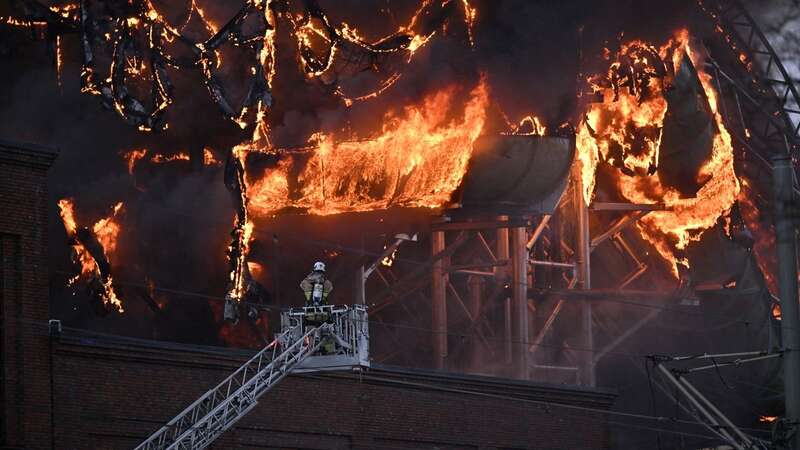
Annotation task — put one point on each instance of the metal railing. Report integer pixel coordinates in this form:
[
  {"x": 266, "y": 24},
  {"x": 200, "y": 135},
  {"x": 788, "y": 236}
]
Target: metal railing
[{"x": 218, "y": 409}]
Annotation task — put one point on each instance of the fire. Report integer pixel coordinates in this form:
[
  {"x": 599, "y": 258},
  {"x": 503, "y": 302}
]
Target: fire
[
  {"x": 242, "y": 232},
  {"x": 625, "y": 130},
  {"x": 764, "y": 237},
  {"x": 388, "y": 260},
  {"x": 418, "y": 160},
  {"x": 470, "y": 14},
  {"x": 238, "y": 281},
  {"x": 159, "y": 158},
  {"x": 767, "y": 419},
  {"x": 132, "y": 158},
  {"x": 256, "y": 269},
  {"x": 106, "y": 231},
  {"x": 529, "y": 125},
  {"x": 208, "y": 158},
  {"x": 22, "y": 23}
]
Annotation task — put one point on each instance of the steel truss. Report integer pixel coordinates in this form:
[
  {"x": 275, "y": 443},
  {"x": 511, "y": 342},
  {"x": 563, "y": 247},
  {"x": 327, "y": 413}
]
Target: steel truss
[
  {"x": 503, "y": 282},
  {"x": 759, "y": 104}
]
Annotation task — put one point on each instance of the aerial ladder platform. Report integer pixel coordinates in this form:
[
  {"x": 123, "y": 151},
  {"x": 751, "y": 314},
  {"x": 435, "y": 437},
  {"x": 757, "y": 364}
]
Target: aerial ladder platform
[{"x": 314, "y": 338}]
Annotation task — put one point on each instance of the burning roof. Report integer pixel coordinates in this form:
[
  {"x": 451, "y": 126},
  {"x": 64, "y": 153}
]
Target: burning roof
[
  {"x": 383, "y": 132},
  {"x": 651, "y": 102}
]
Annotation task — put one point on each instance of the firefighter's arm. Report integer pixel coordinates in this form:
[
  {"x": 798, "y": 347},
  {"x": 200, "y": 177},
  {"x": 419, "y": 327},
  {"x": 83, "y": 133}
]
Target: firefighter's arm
[
  {"x": 327, "y": 288},
  {"x": 307, "y": 287}
]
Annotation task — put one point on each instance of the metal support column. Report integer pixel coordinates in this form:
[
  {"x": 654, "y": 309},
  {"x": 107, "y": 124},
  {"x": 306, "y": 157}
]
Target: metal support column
[
  {"x": 519, "y": 302},
  {"x": 475, "y": 305},
  {"x": 787, "y": 281},
  {"x": 582, "y": 254},
  {"x": 360, "y": 287},
  {"x": 439, "y": 303},
  {"x": 501, "y": 278}
]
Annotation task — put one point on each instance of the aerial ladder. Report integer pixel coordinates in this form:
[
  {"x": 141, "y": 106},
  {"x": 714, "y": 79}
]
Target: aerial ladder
[{"x": 314, "y": 338}]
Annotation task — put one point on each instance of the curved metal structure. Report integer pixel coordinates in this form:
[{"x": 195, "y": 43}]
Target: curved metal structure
[
  {"x": 517, "y": 174},
  {"x": 762, "y": 106}
]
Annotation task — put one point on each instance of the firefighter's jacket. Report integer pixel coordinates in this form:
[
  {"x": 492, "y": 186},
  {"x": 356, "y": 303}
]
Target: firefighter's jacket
[{"x": 307, "y": 285}]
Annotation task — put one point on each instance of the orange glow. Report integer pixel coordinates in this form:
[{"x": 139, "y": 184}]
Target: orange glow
[
  {"x": 255, "y": 269},
  {"x": 633, "y": 122},
  {"x": 106, "y": 231},
  {"x": 768, "y": 419},
  {"x": 418, "y": 160}
]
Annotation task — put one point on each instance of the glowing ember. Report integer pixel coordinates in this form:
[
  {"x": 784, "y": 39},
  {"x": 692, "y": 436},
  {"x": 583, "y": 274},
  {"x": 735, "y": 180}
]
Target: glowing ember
[
  {"x": 625, "y": 131},
  {"x": 767, "y": 419},
  {"x": 418, "y": 160},
  {"x": 106, "y": 231}
]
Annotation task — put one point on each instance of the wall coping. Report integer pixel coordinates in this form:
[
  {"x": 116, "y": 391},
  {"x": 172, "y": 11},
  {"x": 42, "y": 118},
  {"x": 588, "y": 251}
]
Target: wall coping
[
  {"x": 27, "y": 155},
  {"x": 96, "y": 346}
]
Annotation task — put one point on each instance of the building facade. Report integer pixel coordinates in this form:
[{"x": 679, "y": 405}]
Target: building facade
[{"x": 74, "y": 389}]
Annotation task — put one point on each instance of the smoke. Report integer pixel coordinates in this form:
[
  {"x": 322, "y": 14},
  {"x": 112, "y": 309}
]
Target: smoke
[
  {"x": 176, "y": 230},
  {"x": 177, "y": 219}
]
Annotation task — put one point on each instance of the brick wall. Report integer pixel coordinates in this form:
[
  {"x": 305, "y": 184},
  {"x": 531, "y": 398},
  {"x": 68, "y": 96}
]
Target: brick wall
[
  {"x": 24, "y": 353},
  {"x": 111, "y": 394}
]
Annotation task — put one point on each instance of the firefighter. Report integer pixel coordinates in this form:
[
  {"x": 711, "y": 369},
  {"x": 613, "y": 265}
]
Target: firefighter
[{"x": 316, "y": 287}]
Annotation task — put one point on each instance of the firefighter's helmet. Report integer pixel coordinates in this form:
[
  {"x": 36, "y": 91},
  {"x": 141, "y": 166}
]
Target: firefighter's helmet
[{"x": 319, "y": 266}]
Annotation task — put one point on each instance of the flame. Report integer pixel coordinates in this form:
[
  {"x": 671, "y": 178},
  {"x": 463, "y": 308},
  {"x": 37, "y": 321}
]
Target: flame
[
  {"x": 106, "y": 231},
  {"x": 529, "y": 125},
  {"x": 626, "y": 114},
  {"x": 418, "y": 160},
  {"x": 256, "y": 269},
  {"x": 208, "y": 158},
  {"x": 22, "y": 23},
  {"x": 242, "y": 233},
  {"x": 763, "y": 237},
  {"x": 767, "y": 419},
  {"x": 159, "y": 158},
  {"x": 132, "y": 158},
  {"x": 389, "y": 259},
  {"x": 470, "y": 14}
]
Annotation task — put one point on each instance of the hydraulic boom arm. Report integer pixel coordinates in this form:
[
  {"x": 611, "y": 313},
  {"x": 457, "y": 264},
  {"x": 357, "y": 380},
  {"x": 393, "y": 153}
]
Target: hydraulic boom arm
[{"x": 216, "y": 411}]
